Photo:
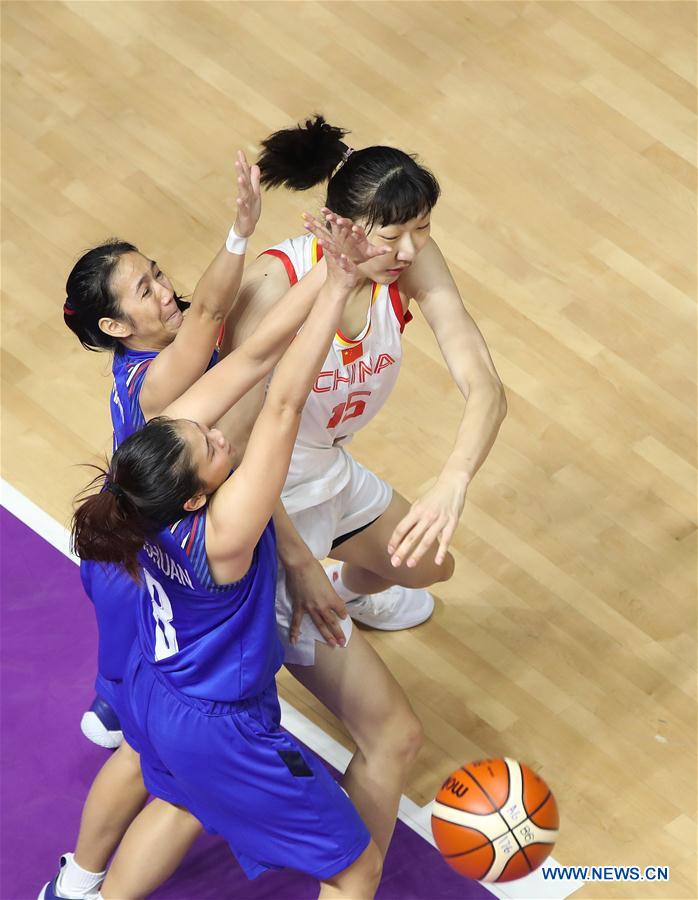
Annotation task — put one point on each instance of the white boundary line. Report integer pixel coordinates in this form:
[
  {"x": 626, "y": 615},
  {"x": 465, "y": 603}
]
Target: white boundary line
[{"x": 533, "y": 887}]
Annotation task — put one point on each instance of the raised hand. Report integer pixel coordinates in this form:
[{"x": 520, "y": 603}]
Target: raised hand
[
  {"x": 341, "y": 236},
  {"x": 249, "y": 199}
]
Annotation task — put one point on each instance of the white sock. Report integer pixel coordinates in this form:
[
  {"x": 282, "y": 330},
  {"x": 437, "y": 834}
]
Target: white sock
[
  {"x": 334, "y": 573},
  {"x": 76, "y": 880}
]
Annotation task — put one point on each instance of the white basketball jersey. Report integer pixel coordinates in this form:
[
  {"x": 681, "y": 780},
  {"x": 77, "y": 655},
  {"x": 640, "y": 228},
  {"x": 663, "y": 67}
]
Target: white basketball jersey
[{"x": 355, "y": 381}]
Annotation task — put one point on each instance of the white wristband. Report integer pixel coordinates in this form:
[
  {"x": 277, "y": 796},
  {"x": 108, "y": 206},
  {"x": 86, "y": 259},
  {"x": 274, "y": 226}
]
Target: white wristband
[{"x": 235, "y": 244}]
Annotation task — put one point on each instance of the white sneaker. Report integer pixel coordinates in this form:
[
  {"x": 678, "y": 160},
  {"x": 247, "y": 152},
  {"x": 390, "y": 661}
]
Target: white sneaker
[
  {"x": 52, "y": 891},
  {"x": 101, "y": 725},
  {"x": 393, "y": 609}
]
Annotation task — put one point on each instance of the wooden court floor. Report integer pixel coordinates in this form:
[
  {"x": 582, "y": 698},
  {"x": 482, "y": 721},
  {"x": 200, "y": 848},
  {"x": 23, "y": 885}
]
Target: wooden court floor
[{"x": 564, "y": 138}]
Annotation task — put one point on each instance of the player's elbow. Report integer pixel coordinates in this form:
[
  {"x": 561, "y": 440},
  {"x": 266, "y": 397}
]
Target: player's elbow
[
  {"x": 210, "y": 308},
  {"x": 487, "y": 392},
  {"x": 288, "y": 409},
  {"x": 500, "y": 400}
]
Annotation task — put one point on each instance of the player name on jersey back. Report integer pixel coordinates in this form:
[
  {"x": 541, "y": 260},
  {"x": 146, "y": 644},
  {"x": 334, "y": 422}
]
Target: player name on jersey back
[{"x": 168, "y": 566}]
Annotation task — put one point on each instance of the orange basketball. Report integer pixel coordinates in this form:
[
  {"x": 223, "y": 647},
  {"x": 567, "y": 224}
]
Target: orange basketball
[{"x": 494, "y": 820}]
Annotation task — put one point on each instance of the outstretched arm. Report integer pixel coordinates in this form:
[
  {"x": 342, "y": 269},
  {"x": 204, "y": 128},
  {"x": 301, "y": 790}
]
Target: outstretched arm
[
  {"x": 177, "y": 366},
  {"x": 435, "y": 515},
  {"x": 242, "y": 506},
  {"x": 265, "y": 288},
  {"x": 225, "y": 384},
  {"x": 228, "y": 382}
]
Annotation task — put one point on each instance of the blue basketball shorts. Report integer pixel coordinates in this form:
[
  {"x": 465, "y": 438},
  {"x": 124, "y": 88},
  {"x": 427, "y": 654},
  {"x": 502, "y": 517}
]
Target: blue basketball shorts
[
  {"x": 242, "y": 776},
  {"x": 114, "y": 595}
]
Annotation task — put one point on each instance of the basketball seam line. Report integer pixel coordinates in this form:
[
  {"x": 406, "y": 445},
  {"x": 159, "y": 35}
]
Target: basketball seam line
[
  {"x": 488, "y": 844},
  {"x": 540, "y": 806},
  {"x": 470, "y": 812},
  {"x": 496, "y": 808}
]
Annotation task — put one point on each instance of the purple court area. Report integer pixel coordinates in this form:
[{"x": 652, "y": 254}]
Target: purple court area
[{"x": 48, "y": 644}]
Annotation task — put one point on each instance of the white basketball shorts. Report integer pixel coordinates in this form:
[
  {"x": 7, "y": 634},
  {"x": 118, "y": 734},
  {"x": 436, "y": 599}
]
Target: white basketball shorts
[{"x": 363, "y": 499}]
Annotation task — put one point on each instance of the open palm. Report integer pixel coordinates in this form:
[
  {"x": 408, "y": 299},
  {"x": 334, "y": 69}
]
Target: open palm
[
  {"x": 249, "y": 199},
  {"x": 342, "y": 236}
]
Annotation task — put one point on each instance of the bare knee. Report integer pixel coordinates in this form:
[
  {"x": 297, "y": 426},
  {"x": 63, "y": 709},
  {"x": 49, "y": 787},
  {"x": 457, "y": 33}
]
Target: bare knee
[
  {"x": 411, "y": 737},
  {"x": 176, "y": 817},
  {"x": 371, "y": 865},
  {"x": 371, "y": 861},
  {"x": 447, "y": 568},
  {"x": 360, "y": 880},
  {"x": 400, "y": 739},
  {"x": 426, "y": 572}
]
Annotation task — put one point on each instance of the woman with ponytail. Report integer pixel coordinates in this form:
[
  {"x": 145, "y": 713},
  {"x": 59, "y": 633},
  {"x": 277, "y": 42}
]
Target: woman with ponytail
[
  {"x": 386, "y": 563},
  {"x": 388, "y": 551},
  {"x": 119, "y": 300},
  {"x": 203, "y": 711}
]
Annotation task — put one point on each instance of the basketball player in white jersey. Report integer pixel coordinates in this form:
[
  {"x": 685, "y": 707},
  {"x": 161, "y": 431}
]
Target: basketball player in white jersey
[{"x": 388, "y": 550}]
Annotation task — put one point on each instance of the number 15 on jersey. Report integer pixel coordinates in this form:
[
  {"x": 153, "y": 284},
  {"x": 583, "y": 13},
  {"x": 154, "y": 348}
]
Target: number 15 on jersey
[{"x": 350, "y": 409}]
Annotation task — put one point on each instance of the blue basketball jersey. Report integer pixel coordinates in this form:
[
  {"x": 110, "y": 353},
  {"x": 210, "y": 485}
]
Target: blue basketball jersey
[
  {"x": 113, "y": 592},
  {"x": 214, "y": 642},
  {"x": 129, "y": 368}
]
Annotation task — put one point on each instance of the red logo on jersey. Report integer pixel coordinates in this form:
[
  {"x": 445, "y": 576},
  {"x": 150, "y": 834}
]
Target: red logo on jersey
[
  {"x": 356, "y": 373},
  {"x": 352, "y": 353}
]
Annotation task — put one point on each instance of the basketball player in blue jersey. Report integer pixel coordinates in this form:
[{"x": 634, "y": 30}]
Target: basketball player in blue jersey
[
  {"x": 119, "y": 300},
  {"x": 203, "y": 710}
]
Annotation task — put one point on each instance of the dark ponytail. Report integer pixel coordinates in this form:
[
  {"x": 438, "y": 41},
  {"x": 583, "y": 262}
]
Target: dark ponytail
[
  {"x": 106, "y": 528},
  {"x": 377, "y": 185},
  {"x": 150, "y": 479},
  {"x": 302, "y": 157}
]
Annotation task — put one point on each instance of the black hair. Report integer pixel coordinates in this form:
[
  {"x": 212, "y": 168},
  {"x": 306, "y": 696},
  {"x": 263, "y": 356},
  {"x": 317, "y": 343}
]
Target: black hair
[
  {"x": 378, "y": 185},
  {"x": 150, "y": 478},
  {"x": 90, "y": 294}
]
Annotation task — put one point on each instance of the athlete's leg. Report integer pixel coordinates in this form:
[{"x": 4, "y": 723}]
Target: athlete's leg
[
  {"x": 150, "y": 852},
  {"x": 114, "y": 595},
  {"x": 115, "y": 798},
  {"x": 356, "y": 685},
  {"x": 358, "y": 881},
  {"x": 134, "y": 874},
  {"x": 367, "y": 568}
]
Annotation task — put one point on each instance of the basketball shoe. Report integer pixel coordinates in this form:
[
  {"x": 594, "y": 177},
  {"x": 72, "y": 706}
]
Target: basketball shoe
[
  {"x": 101, "y": 725},
  {"x": 391, "y": 610},
  {"x": 52, "y": 890}
]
